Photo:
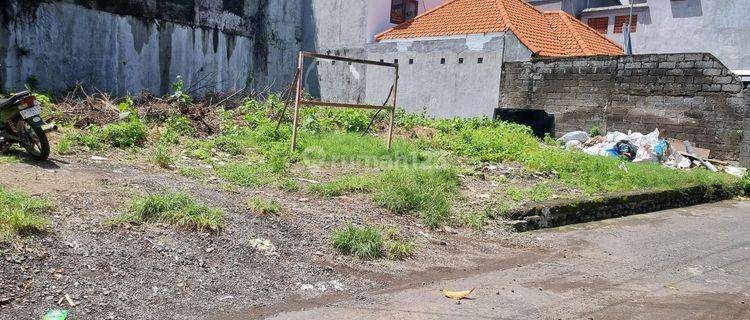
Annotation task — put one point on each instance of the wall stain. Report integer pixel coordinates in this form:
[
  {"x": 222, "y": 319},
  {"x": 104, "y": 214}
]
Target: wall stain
[
  {"x": 141, "y": 32},
  {"x": 260, "y": 49},
  {"x": 165, "y": 55}
]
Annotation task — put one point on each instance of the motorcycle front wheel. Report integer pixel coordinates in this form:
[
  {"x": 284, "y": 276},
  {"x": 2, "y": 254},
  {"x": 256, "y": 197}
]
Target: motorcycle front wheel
[{"x": 34, "y": 140}]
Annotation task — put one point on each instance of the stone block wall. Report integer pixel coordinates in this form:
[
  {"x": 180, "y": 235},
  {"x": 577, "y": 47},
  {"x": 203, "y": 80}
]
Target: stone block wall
[{"x": 686, "y": 96}]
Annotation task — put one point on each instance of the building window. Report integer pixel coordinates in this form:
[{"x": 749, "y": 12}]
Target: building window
[
  {"x": 599, "y": 24},
  {"x": 480, "y": 60},
  {"x": 395, "y": 61},
  {"x": 411, "y": 61},
  {"x": 403, "y": 10},
  {"x": 621, "y": 20},
  {"x": 442, "y": 60},
  {"x": 460, "y": 60}
]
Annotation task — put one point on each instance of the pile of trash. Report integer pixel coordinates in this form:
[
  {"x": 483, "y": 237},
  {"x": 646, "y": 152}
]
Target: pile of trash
[{"x": 637, "y": 147}]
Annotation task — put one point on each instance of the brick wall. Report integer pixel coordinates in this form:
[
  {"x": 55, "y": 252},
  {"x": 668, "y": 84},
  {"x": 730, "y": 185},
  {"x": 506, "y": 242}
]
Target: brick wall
[{"x": 687, "y": 96}]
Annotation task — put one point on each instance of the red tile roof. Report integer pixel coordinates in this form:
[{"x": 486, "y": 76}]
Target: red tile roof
[{"x": 544, "y": 33}]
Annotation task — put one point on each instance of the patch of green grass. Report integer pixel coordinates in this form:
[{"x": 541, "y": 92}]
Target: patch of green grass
[
  {"x": 540, "y": 192},
  {"x": 472, "y": 219},
  {"x": 191, "y": 172},
  {"x": 424, "y": 192},
  {"x": 515, "y": 194},
  {"x": 64, "y": 145},
  {"x": 365, "y": 243},
  {"x": 399, "y": 249},
  {"x": 9, "y": 158},
  {"x": 199, "y": 149},
  {"x": 343, "y": 185},
  {"x": 162, "y": 156},
  {"x": 337, "y": 147},
  {"x": 173, "y": 208},
  {"x": 245, "y": 174},
  {"x": 264, "y": 206},
  {"x": 396, "y": 247},
  {"x": 21, "y": 214},
  {"x": 289, "y": 185},
  {"x": 125, "y": 134}
]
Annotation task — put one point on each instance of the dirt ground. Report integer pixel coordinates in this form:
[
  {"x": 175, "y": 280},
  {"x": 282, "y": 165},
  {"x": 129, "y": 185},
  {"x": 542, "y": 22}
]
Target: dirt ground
[{"x": 155, "y": 271}]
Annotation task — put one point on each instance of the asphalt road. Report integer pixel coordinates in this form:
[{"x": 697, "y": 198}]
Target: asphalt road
[{"x": 690, "y": 263}]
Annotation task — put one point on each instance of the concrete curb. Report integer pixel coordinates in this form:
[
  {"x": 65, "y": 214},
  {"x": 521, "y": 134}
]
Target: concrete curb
[{"x": 570, "y": 211}]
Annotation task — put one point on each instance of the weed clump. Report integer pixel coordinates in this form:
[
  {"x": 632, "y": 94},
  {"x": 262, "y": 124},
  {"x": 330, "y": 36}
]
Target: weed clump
[
  {"x": 343, "y": 185},
  {"x": 163, "y": 157},
  {"x": 21, "y": 214},
  {"x": 365, "y": 243},
  {"x": 264, "y": 206},
  {"x": 426, "y": 193},
  {"x": 172, "y": 208}
]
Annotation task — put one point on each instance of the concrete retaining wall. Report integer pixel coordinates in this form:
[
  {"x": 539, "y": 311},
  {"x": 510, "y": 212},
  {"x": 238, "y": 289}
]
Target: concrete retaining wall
[
  {"x": 686, "y": 96},
  {"x": 564, "y": 212},
  {"x": 127, "y": 46}
]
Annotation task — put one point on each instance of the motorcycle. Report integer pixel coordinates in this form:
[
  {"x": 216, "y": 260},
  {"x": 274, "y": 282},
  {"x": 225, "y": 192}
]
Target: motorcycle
[{"x": 21, "y": 122}]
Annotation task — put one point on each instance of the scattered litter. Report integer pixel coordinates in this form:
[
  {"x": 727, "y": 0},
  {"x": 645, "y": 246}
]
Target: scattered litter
[
  {"x": 70, "y": 300},
  {"x": 56, "y": 315},
  {"x": 226, "y": 298},
  {"x": 457, "y": 295},
  {"x": 98, "y": 158},
  {"x": 323, "y": 286},
  {"x": 579, "y": 136},
  {"x": 736, "y": 171},
  {"x": 637, "y": 147},
  {"x": 263, "y": 245},
  {"x": 308, "y": 180}
]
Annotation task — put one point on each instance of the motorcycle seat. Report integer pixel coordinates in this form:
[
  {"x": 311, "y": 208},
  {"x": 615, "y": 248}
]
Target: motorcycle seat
[
  {"x": 13, "y": 99},
  {"x": 5, "y": 102}
]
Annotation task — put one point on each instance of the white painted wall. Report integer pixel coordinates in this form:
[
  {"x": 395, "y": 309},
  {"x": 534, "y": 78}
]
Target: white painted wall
[{"x": 379, "y": 15}]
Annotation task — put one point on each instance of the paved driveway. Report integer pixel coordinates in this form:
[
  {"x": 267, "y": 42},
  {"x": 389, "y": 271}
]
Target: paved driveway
[{"x": 691, "y": 263}]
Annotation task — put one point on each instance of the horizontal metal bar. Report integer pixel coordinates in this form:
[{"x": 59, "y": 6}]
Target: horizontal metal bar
[
  {"x": 342, "y": 105},
  {"x": 336, "y": 58}
]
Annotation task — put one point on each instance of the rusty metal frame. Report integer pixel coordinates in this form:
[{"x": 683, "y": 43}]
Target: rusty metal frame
[{"x": 299, "y": 102}]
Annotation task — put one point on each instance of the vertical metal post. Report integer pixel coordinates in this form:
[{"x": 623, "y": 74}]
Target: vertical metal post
[
  {"x": 297, "y": 98},
  {"x": 393, "y": 110}
]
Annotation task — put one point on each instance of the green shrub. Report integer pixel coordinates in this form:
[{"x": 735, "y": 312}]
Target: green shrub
[
  {"x": 426, "y": 193},
  {"x": 365, "y": 243},
  {"x": 264, "y": 206},
  {"x": 21, "y": 214},
  {"x": 343, "y": 185},
  {"x": 173, "y": 208}
]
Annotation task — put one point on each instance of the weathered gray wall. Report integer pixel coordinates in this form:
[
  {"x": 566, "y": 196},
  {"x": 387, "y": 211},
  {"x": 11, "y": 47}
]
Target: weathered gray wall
[
  {"x": 452, "y": 89},
  {"x": 337, "y": 27},
  {"x": 686, "y": 96},
  {"x": 718, "y": 27},
  {"x": 127, "y": 46}
]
